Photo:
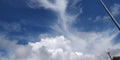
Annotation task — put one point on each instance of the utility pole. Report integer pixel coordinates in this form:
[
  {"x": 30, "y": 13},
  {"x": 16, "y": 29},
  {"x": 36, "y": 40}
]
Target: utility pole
[
  {"x": 111, "y": 16},
  {"x": 109, "y": 55}
]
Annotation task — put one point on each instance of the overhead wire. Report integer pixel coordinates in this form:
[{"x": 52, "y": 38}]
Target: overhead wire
[{"x": 111, "y": 16}]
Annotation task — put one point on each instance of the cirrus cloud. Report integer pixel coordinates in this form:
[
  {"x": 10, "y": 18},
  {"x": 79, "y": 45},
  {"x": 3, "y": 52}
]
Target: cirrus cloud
[{"x": 68, "y": 44}]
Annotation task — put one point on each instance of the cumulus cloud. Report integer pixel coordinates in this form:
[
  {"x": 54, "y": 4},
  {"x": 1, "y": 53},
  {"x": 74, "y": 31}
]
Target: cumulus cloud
[
  {"x": 58, "y": 48},
  {"x": 80, "y": 41},
  {"x": 68, "y": 44}
]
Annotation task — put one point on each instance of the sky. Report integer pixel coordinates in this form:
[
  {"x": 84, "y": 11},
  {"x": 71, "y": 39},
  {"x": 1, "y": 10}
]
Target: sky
[{"x": 58, "y": 30}]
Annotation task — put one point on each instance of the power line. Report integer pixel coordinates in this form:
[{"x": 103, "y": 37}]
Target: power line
[{"x": 111, "y": 16}]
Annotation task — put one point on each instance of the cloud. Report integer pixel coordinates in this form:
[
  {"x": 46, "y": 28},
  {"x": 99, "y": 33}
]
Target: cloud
[
  {"x": 68, "y": 44},
  {"x": 80, "y": 41},
  {"x": 103, "y": 19},
  {"x": 115, "y": 9},
  {"x": 58, "y": 5},
  {"x": 11, "y": 27},
  {"x": 59, "y": 48}
]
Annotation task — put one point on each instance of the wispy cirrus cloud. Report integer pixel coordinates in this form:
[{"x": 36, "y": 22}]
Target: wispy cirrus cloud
[
  {"x": 115, "y": 9},
  {"x": 11, "y": 27},
  {"x": 69, "y": 43}
]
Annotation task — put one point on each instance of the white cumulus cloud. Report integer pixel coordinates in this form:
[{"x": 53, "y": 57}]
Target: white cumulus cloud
[{"x": 68, "y": 44}]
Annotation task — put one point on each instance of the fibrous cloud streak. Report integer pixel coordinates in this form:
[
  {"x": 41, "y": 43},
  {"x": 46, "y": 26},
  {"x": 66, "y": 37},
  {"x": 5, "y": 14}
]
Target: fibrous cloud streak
[{"x": 69, "y": 44}]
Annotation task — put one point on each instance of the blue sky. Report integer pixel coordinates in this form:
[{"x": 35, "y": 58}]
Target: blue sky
[
  {"x": 36, "y": 21},
  {"x": 24, "y": 21}
]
